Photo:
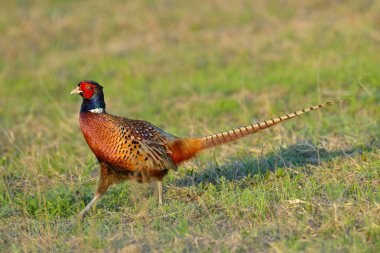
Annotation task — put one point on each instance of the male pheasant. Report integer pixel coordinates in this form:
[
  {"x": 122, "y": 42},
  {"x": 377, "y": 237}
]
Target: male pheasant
[{"x": 137, "y": 150}]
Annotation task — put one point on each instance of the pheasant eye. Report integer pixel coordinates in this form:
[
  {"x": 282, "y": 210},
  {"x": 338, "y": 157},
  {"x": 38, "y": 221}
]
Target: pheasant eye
[{"x": 88, "y": 87}]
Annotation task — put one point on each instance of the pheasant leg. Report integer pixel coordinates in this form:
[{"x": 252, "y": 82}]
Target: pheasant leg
[
  {"x": 89, "y": 206},
  {"x": 160, "y": 192}
]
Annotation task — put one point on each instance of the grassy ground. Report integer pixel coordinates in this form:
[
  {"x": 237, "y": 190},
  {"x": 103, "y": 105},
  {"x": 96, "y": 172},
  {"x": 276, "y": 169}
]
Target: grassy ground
[{"x": 311, "y": 184}]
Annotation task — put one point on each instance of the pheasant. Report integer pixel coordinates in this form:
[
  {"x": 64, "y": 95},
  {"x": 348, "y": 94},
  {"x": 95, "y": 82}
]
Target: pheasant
[{"x": 129, "y": 149}]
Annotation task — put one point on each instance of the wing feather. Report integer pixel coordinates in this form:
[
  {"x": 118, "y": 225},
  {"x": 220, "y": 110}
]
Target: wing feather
[{"x": 144, "y": 146}]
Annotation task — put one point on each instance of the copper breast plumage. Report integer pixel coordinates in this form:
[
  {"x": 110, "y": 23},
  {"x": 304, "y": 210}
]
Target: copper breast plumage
[{"x": 127, "y": 144}]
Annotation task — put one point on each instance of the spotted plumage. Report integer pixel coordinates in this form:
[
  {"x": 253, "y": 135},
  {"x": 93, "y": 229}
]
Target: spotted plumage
[
  {"x": 128, "y": 145},
  {"x": 137, "y": 150}
]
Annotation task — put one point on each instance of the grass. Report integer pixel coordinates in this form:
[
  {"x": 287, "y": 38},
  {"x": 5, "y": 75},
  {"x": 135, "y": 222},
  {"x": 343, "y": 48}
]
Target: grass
[{"x": 193, "y": 68}]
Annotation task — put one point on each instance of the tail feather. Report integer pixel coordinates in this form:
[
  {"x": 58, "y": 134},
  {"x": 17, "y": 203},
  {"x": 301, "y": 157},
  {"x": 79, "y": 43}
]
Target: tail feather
[{"x": 237, "y": 133}]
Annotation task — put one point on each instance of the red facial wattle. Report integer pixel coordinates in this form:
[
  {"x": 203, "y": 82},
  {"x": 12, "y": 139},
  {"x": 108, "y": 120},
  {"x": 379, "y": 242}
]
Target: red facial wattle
[{"x": 88, "y": 89}]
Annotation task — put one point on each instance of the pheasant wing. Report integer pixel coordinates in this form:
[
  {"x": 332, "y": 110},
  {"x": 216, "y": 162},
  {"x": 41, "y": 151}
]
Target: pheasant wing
[{"x": 143, "y": 146}]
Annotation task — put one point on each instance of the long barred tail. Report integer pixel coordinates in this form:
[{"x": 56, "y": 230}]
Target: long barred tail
[{"x": 234, "y": 134}]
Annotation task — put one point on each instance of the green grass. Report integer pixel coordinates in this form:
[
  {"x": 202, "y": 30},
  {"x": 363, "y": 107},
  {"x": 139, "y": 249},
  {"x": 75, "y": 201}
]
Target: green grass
[{"x": 193, "y": 68}]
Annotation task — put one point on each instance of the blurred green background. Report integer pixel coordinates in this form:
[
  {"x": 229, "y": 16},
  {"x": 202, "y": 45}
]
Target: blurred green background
[{"x": 194, "y": 68}]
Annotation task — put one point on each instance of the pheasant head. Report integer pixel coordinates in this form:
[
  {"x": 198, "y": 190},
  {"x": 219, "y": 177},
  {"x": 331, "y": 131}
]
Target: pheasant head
[{"x": 93, "y": 97}]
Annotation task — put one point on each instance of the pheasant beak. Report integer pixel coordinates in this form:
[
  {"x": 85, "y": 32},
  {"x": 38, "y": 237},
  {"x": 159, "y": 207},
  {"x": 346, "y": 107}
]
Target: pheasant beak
[{"x": 76, "y": 91}]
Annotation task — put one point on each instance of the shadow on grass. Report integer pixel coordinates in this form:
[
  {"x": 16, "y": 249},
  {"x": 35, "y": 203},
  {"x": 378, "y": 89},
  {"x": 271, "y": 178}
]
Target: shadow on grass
[
  {"x": 297, "y": 155},
  {"x": 64, "y": 201}
]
